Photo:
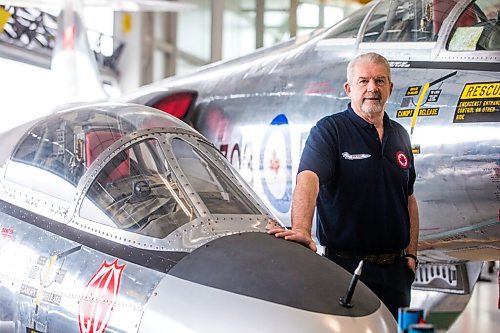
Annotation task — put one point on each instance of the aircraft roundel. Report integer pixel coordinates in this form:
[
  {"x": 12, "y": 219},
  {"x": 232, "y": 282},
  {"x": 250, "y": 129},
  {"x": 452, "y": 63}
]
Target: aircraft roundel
[
  {"x": 402, "y": 159},
  {"x": 275, "y": 164}
]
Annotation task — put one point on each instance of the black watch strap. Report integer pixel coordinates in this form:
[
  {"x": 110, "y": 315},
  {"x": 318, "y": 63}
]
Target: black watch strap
[
  {"x": 414, "y": 257},
  {"x": 409, "y": 255}
]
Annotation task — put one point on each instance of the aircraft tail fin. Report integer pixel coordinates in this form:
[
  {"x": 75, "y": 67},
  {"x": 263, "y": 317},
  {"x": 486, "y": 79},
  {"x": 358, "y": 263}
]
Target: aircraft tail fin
[{"x": 73, "y": 63}]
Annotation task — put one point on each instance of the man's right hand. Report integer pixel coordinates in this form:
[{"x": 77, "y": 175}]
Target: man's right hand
[
  {"x": 303, "y": 204},
  {"x": 298, "y": 235}
]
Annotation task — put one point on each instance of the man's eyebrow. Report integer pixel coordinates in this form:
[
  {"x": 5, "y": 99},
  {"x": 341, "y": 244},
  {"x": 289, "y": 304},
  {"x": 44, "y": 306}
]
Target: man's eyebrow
[{"x": 376, "y": 77}]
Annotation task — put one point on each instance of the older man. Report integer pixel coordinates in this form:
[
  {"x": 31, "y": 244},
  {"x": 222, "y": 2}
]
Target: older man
[{"x": 357, "y": 169}]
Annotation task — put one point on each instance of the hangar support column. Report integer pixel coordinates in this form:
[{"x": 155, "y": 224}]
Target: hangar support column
[
  {"x": 293, "y": 17},
  {"x": 166, "y": 51},
  {"x": 217, "y": 24},
  {"x": 135, "y": 67},
  {"x": 259, "y": 23}
]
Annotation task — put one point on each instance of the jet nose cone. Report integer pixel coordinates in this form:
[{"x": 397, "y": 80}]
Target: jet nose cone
[
  {"x": 254, "y": 282},
  {"x": 265, "y": 267}
]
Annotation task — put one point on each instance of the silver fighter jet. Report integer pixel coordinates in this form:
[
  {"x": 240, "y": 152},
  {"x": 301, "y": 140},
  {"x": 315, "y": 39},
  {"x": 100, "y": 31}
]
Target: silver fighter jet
[{"x": 121, "y": 218}]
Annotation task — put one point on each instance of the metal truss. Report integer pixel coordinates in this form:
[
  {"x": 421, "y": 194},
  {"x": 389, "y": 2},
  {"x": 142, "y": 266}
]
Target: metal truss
[{"x": 30, "y": 35}]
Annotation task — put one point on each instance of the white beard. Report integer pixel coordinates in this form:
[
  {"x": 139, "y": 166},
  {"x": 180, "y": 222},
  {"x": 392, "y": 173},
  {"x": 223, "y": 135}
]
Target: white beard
[{"x": 372, "y": 109}]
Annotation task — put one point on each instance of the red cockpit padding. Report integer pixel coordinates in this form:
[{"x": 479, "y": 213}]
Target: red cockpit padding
[
  {"x": 441, "y": 10},
  {"x": 443, "y": 7},
  {"x": 96, "y": 141}
]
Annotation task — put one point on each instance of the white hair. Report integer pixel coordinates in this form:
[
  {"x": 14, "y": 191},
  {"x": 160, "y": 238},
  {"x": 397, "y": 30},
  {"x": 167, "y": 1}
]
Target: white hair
[{"x": 371, "y": 57}]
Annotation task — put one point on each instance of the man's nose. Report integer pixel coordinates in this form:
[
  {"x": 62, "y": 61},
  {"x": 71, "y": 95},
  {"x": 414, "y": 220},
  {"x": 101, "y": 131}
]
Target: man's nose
[{"x": 372, "y": 85}]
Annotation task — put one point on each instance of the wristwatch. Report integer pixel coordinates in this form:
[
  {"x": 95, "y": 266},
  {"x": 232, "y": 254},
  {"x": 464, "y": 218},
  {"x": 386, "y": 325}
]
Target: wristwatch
[{"x": 414, "y": 257}]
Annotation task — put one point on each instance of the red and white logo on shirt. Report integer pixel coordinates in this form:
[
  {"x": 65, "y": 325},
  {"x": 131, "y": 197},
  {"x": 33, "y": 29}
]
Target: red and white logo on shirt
[{"x": 402, "y": 159}]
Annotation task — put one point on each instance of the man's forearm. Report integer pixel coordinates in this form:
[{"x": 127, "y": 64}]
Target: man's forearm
[
  {"x": 414, "y": 224},
  {"x": 304, "y": 201}
]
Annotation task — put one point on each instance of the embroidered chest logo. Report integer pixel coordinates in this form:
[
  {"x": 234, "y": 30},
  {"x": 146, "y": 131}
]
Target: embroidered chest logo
[
  {"x": 402, "y": 159},
  {"x": 350, "y": 157}
]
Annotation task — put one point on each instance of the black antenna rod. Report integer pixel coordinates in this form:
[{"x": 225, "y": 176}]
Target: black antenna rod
[{"x": 346, "y": 300}]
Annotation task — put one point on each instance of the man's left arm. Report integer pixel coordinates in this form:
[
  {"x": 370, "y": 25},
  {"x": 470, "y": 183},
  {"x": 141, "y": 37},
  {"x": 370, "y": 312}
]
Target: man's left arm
[{"x": 414, "y": 229}]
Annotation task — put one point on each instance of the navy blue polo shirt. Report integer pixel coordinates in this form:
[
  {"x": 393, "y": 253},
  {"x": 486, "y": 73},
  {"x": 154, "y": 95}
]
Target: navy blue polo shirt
[{"x": 364, "y": 183}]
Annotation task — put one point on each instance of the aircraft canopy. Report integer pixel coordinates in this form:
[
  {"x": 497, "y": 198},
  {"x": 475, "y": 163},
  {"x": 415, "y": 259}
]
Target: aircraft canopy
[{"x": 132, "y": 168}]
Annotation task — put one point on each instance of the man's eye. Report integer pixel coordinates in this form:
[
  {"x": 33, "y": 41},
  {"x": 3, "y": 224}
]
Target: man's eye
[
  {"x": 380, "y": 82},
  {"x": 362, "y": 82}
]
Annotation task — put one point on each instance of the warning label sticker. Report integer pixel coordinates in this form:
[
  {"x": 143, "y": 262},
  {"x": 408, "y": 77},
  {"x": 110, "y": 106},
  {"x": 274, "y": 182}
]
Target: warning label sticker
[
  {"x": 479, "y": 102},
  {"x": 433, "y": 96},
  {"x": 423, "y": 112},
  {"x": 412, "y": 91}
]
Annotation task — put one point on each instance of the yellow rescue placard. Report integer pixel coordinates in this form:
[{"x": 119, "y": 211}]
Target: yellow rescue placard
[
  {"x": 481, "y": 90},
  {"x": 479, "y": 102}
]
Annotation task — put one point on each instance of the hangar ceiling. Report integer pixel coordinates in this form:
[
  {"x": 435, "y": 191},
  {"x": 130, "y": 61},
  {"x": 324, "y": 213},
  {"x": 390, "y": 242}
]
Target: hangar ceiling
[{"x": 174, "y": 43}]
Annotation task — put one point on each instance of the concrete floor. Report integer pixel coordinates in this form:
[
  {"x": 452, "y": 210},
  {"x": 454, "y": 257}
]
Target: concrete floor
[{"x": 481, "y": 315}]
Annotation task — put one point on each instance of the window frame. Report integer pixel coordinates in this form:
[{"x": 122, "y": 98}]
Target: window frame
[
  {"x": 200, "y": 211},
  {"x": 441, "y": 53}
]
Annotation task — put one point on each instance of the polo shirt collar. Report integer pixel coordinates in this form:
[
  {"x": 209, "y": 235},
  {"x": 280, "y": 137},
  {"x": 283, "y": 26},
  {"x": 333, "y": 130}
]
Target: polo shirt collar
[{"x": 363, "y": 123}]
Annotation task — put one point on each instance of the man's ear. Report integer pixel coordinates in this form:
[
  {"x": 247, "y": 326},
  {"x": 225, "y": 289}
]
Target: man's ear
[
  {"x": 392, "y": 86},
  {"x": 347, "y": 89}
]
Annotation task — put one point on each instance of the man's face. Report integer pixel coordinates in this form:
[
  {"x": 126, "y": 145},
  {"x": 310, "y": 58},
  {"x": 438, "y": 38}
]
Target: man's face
[{"x": 370, "y": 88}]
